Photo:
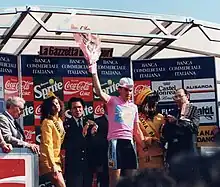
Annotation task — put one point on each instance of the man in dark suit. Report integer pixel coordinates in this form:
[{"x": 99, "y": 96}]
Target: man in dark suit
[
  {"x": 12, "y": 132},
  {"x": 100, "y": 149},
  {"x": 181, "y": 128},
  {"x": 79, "y": 132}
]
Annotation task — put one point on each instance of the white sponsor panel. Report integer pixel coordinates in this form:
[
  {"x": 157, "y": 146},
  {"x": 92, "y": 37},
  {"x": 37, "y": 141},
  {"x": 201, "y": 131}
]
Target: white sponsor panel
[
  {"x": 16, "y": 177},
  {"x": 1, "y": 88},
  {"x": 166, "y": 89},
  {"x": 207, "y": 111},
  {"x": 200, "y": 88}
]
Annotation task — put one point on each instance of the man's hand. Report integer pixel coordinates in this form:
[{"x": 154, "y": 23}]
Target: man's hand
[
  {"x": 171, "y": 119},
  {"x": 155, "y": 141},
  {"x": 6, "y": 148},
  {"x": 144, "y": 145},
  {"x": 34, "y": 148},
  {"x": 94, "y": 129}
]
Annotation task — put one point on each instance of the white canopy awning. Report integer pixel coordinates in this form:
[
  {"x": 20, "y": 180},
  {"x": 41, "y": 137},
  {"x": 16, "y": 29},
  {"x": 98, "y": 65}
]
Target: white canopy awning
[{"x": 137, "y": 35}]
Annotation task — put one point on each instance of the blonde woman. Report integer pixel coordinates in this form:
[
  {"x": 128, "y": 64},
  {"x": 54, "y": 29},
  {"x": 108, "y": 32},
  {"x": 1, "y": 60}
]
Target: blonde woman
[{"x": 52, "y": 135}]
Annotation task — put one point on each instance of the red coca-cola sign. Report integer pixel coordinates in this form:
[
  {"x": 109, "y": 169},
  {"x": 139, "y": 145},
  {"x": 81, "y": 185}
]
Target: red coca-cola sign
[
  {"x": 27, "y": 88},
  {"x": 77, "y": 87},
  {"x": 10, "y": 86},
  {"x": 12, "y": 173},
  {"x": 37, "y": 112},
  {"x": 30, "y": 135},
  {"x": 98, "y": 108},
  {"x": 139, "y": 86}
]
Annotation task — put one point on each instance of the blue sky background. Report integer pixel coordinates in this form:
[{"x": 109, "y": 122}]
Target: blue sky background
[{"x": 207, "y": 10}]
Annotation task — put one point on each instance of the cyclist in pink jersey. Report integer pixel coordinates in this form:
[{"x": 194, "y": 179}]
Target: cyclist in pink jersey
[{"x": 123, "y": 126}]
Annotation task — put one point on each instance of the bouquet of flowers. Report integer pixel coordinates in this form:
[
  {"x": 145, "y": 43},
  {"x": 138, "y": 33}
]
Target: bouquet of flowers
[{"x": 90, "y": 46}]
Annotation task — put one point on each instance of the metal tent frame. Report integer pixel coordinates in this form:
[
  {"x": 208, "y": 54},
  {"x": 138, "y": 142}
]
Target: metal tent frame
[
  {"x": 137, "y": 35},
  {"x": 164, "y": 30}
]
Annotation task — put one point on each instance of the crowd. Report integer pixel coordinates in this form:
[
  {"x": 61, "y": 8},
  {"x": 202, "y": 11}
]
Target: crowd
[{"x": 187, "y": 171}]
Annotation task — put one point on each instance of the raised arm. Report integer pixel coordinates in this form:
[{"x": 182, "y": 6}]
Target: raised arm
[
  {"x": 98, "y": 90},
  {"x": 91, "y": 47}
]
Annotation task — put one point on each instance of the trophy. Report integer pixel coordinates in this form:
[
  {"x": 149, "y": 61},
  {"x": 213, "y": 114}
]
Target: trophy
[
  {"x": 90, "y": 46},
  {"x": 188, "y": 111}
]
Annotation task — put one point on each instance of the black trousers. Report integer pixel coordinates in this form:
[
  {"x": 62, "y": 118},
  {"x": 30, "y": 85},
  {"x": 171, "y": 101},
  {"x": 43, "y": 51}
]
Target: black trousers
[
  {"x": 79, "y": 179},
  {"x": 103, "y": 175}
]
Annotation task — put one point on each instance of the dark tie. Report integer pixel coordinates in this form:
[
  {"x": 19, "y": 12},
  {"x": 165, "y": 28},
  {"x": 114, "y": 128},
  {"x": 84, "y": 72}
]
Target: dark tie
[
  {"x": 18, "y": 127},
  {"x": 79, "y": 123}
]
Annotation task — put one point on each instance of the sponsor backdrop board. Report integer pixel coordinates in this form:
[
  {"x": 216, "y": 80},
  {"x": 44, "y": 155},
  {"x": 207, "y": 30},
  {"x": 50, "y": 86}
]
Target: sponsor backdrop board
[
  {"x": 66, "y": 77},
  {"x": 197, "y": 75},
  {"x": 8, "y": 78}
]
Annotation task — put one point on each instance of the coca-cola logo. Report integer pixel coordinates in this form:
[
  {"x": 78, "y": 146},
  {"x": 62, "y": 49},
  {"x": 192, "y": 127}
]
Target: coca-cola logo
[
  {"x": 29, "y": 134},
  {"x": 138, "y": 89},
  {"x": 11, "y": 85},
  {"x": 99, "y": 110},
  {"x": 26, "y": 85},
  {"x": 73, "y": 87},
  {"x": 38, "y": 110}
]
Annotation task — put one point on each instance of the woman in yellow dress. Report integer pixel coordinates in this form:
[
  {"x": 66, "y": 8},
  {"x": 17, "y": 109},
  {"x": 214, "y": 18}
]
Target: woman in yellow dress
[
  {"x": 52, "y": 135},
  {"x": 151, "y": 124}
]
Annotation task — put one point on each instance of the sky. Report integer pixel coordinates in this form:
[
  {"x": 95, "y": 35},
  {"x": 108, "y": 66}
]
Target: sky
[{"x": 207, "y": 10}]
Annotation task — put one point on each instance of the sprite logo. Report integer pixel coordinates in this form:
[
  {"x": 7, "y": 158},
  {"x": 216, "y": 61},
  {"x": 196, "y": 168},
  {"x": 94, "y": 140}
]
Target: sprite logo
[
  {"x": 109, "y": 87},
  {"x": 53, "y": 86}
]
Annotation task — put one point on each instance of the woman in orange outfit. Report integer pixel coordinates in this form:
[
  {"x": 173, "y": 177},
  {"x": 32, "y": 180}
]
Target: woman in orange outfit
[{"x": 151, "y": 124}]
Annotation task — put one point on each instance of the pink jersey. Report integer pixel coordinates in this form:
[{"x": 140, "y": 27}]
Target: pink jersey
[{"x": 121, "y": 118}]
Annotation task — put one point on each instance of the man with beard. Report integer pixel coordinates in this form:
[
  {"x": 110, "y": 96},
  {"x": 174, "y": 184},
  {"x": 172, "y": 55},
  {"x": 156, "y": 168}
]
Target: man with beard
[{"x": 151, "y": 124}]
